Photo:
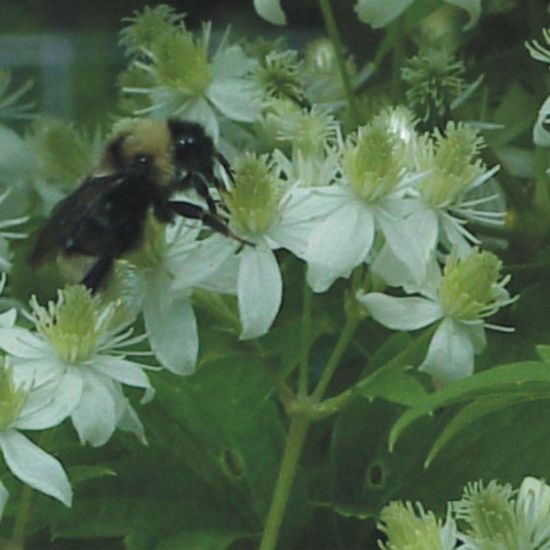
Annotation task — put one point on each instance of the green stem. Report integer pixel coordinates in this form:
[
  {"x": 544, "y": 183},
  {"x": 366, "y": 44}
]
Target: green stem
[
  {"x": 305, "y": 339},
  {"x": 297, "y": 432},
  {"x": 23, "y": 515},
  {"x": 334, "y": 404},
  {"x": 334, "y": 36},
  {"x": 397, "y": 62},
  {"x": 345, "y": 337}
]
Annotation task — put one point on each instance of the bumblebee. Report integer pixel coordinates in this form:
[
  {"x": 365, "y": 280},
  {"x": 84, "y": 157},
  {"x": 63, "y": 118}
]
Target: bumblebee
[{"x": 142, "y": 165}]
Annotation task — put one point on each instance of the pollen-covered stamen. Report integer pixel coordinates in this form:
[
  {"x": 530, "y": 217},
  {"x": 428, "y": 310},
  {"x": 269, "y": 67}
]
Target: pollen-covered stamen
[
  {"x": 372, "y": 162},
  {"x": 400, "y": 122},
  {"x": 489, "y": 511},
  {"x": 12, "y": 398},
  {"x": 450, "y": 163},
  {"x": 407, "y": 529},
  {"x": 470, "y": 289},
  {"x": 74, "y": 325},
  {"x": 309, "y": 132},
  {"x": 145, "y": 27},
  {"x": 537, "y": 50},
  {"x": 435, "y": 80},
  {"x": 181, "y": 62},
  {"x": 278, "y": 75},
  {"x": 254, "y": 199}
]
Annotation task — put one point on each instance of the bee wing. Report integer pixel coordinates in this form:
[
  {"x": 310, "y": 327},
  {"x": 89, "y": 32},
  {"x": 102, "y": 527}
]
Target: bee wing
[{"x": 66, "y": 217}]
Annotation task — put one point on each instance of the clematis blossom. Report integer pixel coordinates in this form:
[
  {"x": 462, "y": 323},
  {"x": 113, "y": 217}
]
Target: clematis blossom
[
  {"x": 75, "y": 356},
  {"x": 458, "y": 300}
]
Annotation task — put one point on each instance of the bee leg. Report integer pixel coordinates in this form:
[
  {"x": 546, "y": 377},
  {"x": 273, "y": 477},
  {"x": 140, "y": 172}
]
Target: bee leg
[
  {"x": 227, "y": 167},
  {"x": 97, "y": 274},
  {"x": 196, "y": 180},
  {"x": 192, "y": 211}
]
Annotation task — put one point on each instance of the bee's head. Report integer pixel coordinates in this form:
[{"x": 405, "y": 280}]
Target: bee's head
[
  {"x": 142, "y": 147},
  {"x": 193, "y": 150}
]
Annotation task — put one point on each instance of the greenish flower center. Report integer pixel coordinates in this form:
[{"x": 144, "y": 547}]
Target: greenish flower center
[
  {"x": 73, "y": 325},
  {"x": 254, "y": 200},
  {"x": 372, "y": 163},
  {"x": 278, "y": 75},
  {"x": 181, "y": 62},
  {"x": 489, "y": 511},
  {"x": 307, "y": 132},
  {"x": 406, "y": 530},
  {"x": 469, "y": 285},
  {"x": 11, "y": 397},
  {"x": 450, "y": 163},
  {"x": 144, "y": 28}
]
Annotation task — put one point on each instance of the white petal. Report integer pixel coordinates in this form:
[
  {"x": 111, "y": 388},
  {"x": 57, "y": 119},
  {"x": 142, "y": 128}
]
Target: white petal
[
  {"x": 199, "y": 264},
  {"x": 235, "y": 98},
  {"x": 51, "y": 403},
  {"x": 292, "y": 236},
  {"x": 36, "y": 372},
  {"x": 410, "y": 313},
  {"x": 338, "y": 244},
  {"x": 450, "y": 354},
  {"x": 231, "y": 62},
  {"x": 130, "y": 422},
  {"x": 224, "y": 280},
  {"x": 4, "y": 494},
  {"x": 171, "y": 325},
  {"x": 390, "y": 268},
  {"x": 7, "y": 319},
  {"x": 413, "y": 240},
  {"x": 476, "y": 334},
  {"x": 121, "y": 370},
  {"x": 541, "y": 136},
  {"x": 454, "y": 238},
  {"x": 271, "y": 11},
  {"x": 378, "y": 13},
  {"x": 259, "y": 290},
  {"x": 22, "y": 343},
  {"x": 35, "y": 467},
  {"x": 95, "y": 417}
]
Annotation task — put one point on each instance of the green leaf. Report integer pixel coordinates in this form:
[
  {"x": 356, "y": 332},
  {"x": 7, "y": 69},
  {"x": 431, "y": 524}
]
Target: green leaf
[
  {"x": 469, "y": 414},
  {"x": 80, "y": 474},
  {"x": 365, "y": 475},
  {"x": 521, "y": 376},
  {"x": 200, "y": 540},
  {"x": 393, "y": 384},
  {"x": 517, "y": 113},
  {"x": 544, "y": 353}
]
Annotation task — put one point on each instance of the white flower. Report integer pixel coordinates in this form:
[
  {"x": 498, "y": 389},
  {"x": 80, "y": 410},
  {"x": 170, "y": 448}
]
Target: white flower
[
  {"x": 459, "y": 300},
  {"x": 533, "y": 513},
  {"x": 442, "y": 203},
  {"x": 75, "y": 356},
  {"x": 541, "y": 135},
  {"x": 378, "y": 13},
  {"x": 411, "y": 527},
  {"x": 20, "y": 409},
  {"x": 6, "y": 233},
  {"x": 367, "y": 198},
  {"x": 172, "y": 263},
  {"x": 498, "y": 518},
  {"x": 186, "y": 83},
  {"x": 263, "y": 211},
  {"x": 271, "y": 11}
]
